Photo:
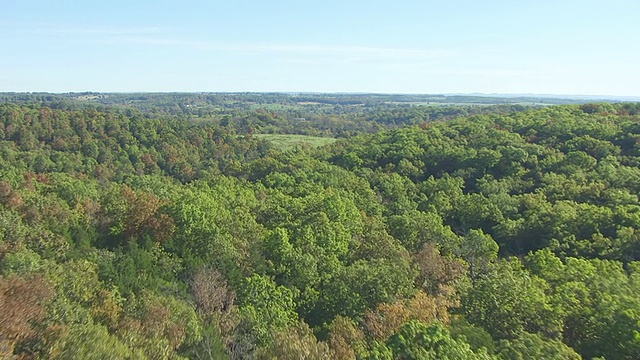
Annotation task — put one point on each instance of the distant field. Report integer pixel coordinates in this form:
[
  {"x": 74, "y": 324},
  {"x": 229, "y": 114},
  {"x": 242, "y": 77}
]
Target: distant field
[
  {"x": 443, "y": 104},
  {"x": 287, "y": 142}
]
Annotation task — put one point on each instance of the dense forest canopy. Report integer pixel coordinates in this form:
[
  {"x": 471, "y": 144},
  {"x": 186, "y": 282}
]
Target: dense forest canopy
[
  {"x": 296, "y": 113},
  {"x": 133, "y": 230}
]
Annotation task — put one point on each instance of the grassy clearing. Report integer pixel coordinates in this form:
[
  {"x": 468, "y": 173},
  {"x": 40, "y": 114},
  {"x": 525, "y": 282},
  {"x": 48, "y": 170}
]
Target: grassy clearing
[{"x": 286, "y": 142}]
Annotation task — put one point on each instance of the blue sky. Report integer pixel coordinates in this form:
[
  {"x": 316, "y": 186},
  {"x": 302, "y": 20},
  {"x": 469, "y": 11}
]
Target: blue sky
[{"x": 545, "y": 47}]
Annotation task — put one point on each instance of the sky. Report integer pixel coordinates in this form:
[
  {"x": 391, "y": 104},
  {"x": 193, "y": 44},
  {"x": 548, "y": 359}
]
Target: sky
[{"x": 568, "y": 47}]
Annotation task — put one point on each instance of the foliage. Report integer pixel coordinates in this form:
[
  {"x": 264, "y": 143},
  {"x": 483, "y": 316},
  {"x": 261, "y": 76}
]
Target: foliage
[
  {"x": 415, "y": 340},
  {"x": 161, "y": 226},
  {"x": 532, "y": 346}
]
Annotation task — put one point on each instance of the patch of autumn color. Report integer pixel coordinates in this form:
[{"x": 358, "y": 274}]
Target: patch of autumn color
[
  {"x": 211, "y": 293},
  {"x": 107, "y": 309},
  {"x": 22, "y": 303},
  {"x": 437, "y": 273},
  {"x": 143, "y": 215},
  {"x": 387, "y": 319},
  {"x": 345, "y": 338},
  {"x": 296, "y": 342},
  {"x": 9, "y": 197}
]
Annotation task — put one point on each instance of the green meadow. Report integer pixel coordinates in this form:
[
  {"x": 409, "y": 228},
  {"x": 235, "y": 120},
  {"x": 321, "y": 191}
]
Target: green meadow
[{"x": 286, "y": 142}]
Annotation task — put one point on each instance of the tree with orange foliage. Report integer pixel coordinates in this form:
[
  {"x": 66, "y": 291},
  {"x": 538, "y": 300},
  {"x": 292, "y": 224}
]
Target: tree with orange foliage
[
  {"x": 387, "y": 319},
  {"x": 22, "y": 303}
]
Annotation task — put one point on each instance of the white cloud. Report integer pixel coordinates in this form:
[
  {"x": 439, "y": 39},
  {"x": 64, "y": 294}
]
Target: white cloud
[
  {"x": 160, "y": 37},
  {"x": 348, "y": 52}
]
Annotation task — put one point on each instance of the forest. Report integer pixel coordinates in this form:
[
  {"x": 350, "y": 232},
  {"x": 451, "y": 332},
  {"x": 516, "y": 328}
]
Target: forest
[{"x": 170, "y": 227}]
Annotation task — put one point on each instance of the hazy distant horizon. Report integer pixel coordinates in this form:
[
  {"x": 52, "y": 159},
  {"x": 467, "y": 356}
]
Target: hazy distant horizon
[{"x": 479, "y": 94}]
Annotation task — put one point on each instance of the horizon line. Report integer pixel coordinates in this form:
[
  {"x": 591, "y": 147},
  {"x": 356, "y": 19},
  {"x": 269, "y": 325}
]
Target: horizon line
[{"x": 289, "y": 92}]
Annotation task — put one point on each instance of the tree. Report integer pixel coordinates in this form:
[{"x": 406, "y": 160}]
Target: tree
[
  {"x": 533, "y": 346},
  {"x": 346, "y": 340},
  {"x": 438, "y": 274},
  {"x": 22, "y": 305},
  {"x": 387, "y": 318},
  {"x": 296, "y": 342},
  {"x": 416, "y": 340},
  {"x": 510, "y": 301},
  {"x": 363, "y": 285},
  {"x": 479, "y": 250},
  {"x": 91, "y": 342},
  {"x": 597, "y": 301},
  {"x": 265, "y": 306}
]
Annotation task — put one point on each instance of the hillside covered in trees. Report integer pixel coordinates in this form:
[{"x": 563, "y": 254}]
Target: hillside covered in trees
[{"x": 498, "y": 233}]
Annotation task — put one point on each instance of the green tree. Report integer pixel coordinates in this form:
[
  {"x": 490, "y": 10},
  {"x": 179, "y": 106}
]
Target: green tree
[
  {"x": 416, "y": 340},
  {"x": 265, "y": 306},
  {"x": 532, "y": 346},
  {"x": 510, "y": 301},
  {"x": 479, "y": 250},
  {"x": 91, "y": 342}
]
